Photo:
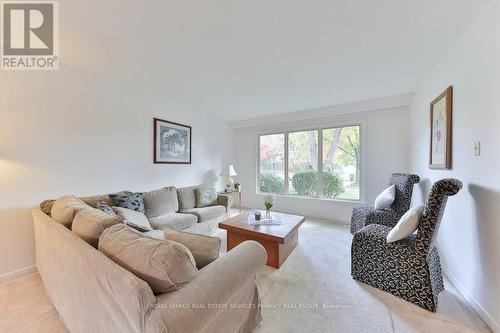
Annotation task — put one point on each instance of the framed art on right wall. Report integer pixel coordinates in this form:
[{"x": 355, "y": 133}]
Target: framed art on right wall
[{"x": 441, "y": 121}]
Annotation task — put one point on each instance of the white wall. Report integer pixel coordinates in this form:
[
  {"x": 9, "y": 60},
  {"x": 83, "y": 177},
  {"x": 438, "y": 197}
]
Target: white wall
[
  {"x": 385, "y": 151},
  {"x": 73, "y": 131},
  {"x": 470, "y": 233}
]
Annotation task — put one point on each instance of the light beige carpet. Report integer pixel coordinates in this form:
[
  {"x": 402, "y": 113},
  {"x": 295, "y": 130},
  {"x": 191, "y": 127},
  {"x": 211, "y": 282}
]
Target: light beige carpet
[
  {"x": 314, "y": 292},
  {"x": 317, "y": 273}
]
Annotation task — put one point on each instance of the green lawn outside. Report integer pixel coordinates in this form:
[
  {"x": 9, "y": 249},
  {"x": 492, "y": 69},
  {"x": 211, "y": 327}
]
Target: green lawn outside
[{"x": 351, "y": 193}]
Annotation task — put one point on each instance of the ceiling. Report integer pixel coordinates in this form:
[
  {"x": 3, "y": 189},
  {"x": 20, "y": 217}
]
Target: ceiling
[{"x": 246, "y": 59}]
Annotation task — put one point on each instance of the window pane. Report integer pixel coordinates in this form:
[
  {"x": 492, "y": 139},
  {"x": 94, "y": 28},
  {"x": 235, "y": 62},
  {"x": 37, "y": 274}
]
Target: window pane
[
  {"x": 303, "y": 163},
  {"x": 272, "y": 166},
  {"x": 341, "y": 163}
]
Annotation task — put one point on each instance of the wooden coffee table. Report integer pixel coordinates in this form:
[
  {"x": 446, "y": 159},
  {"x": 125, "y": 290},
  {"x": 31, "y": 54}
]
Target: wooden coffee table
[{"x": 278, "y": 240}]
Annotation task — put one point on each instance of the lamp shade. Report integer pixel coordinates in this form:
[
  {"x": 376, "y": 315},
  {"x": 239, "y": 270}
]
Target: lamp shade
[{"x": 229, "y": 171}]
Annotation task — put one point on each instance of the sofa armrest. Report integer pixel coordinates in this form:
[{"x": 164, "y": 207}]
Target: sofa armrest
[
  {"x": 365, "y": 215},
  {"x": 90, "y": 292},
  {"x": 225, "y": 200},
  {"x": 222, "y": 293}
]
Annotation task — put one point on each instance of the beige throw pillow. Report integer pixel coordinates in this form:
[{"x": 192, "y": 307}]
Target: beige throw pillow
[
  {"x": 205, "y": 249},
  {"x": 133, "y": 219},
  {"x": 92, "y": 201},
  {"x": 89, "y": 223},
  {"x": 46, "y": 206},
  {"x": 65, "y": 209},
  {"x": 166, "y": 266}
]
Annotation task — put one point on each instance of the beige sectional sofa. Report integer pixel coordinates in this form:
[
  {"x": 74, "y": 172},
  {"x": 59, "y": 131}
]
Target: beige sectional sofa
[
  {"x": 182, "y": 215},
  {"x": 92, "y": 293}
]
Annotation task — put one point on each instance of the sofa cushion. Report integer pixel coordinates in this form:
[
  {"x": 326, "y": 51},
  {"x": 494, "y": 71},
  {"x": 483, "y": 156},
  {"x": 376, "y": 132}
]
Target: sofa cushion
[
  {"x": 158, "y": 234},
  {"x": 204, "y": 249},
  {"x": 133, "y": 219},
  {"x": 206, "y": 197},
  {"x": 133, "y": 201},
  {"x": 65, "y": 209},
  {"x": 165, "y": 265},
  {"x": 160, "y": 202},
  {"x": 92, "y": 201},
  {"x": 173, "y": 221},
  {"x": 206, "y": 213},
  {"x": 89, "y": 223},
  {"x": 187, "y": 197}
]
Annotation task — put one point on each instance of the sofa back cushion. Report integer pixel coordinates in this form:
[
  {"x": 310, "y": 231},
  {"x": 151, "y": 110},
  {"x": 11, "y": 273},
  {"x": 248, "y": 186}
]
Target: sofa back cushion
[
  {"x": 165, "y": 265},
  {"x": 90, "y": 223},
  {"x": 187, "y": 197},
  {"x": 65, "y": 208},
  {"x": 161, "y": 202}
]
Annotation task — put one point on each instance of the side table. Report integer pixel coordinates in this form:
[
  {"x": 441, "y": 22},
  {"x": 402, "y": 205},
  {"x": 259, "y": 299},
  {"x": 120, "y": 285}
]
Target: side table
[{"x": 235, "y": 194}]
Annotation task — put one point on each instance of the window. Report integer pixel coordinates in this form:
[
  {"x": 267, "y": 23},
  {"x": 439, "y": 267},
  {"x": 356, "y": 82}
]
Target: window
[
  {"x": 303, "y": 163},
  {"x": 290, "y": 163},
  {"x": 272, "y": 163},
  {"x": 342, "y": 162}
]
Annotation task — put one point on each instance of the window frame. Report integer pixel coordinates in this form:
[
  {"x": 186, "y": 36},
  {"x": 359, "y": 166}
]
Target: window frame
[{"x": 320, "y": 129}]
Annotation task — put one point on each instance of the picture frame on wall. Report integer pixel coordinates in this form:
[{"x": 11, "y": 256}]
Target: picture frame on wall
[
  {"x": 441, "y": 130},
  {"x": 172, "y": 142}
]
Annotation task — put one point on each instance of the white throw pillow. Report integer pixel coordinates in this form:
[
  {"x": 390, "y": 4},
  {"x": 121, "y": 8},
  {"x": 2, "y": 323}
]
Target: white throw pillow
[
  {"x": 407, "y": 224},
  {"x": 133, "y": 219},
  {"x": 386, "y": 198}
]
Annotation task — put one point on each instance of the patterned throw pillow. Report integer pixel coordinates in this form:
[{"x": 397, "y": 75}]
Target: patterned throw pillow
[
  {"x": 101, "y": 205},
  {"x": 206, "y": 197},
  {"x": 133, "y": 201}
]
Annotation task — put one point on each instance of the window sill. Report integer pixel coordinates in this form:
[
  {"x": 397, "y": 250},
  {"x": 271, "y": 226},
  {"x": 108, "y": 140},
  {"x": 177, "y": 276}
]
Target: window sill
[{"x": 348, "y": 201}]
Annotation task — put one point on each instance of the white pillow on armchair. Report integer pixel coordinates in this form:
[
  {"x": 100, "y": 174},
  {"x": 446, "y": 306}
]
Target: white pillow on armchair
[
  {"x": 407, "y": 225},
  {"x": 386, "y": 198}
]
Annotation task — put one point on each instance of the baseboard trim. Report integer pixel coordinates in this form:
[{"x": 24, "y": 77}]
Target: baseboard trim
[
  {"x": 481, "y": 312},
  {"x": 17, "y": 274}
]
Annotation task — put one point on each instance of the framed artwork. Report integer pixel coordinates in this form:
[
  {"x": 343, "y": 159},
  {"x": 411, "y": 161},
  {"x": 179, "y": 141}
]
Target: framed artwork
[
  {"x": 172, "y": 142},
  {"x": 441, "y": 120}
]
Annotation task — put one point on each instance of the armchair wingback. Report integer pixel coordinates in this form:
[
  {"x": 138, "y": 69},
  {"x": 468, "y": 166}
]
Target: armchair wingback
[
  {"x": 433, "y": 212},
  {"x": 409, "y": 268},
  {"x": 363, "y": 216}
]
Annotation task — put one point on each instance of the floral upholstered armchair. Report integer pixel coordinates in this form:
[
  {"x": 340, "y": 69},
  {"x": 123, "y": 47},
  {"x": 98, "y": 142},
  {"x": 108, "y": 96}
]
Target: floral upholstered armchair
[
  {"x": 363, "y": 216},
  {"x": 410, "y": 268}
]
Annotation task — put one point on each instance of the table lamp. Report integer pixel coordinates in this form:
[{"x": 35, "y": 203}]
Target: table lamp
[{"x": 227, "y": 173}]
